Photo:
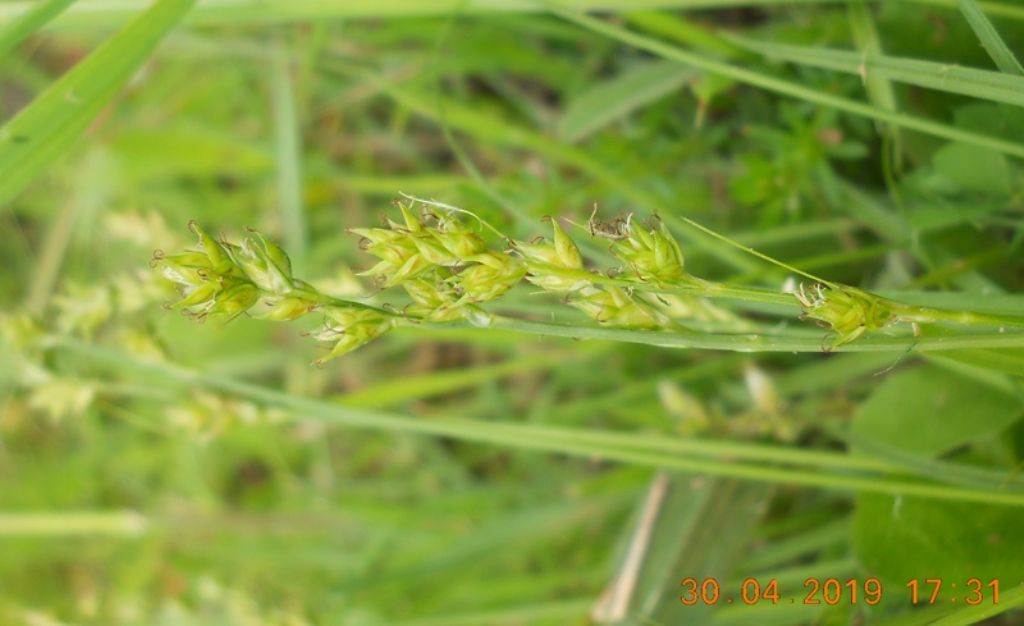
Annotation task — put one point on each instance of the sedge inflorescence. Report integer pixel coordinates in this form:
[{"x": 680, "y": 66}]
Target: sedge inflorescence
[
  {"x": 223, "y": 279},
  {"x": 449, "y": 272},
  {"x": 439, "y": 259},
  {"x": 849, "y": 312}
]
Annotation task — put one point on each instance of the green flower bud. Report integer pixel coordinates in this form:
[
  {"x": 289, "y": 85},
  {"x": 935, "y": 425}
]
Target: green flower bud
[
  {"x": 377, "y": 236},
  {"x": 562, "y": 252},
  {"x": 430, "y": 246},
  {"x": 615, "y": 307},
  {"x": 219, "y": 259},
  {"x": 848, "y": 311},
  {"x": 490, "y": 276},
  {"x": 265, "y": 264},
  {"x": 459, "y": 240},
  {"x": 654, "y": 255},
  {"x": 186, "y": 277},
  {"x": 400, "y": 256},
  {"x": 234, "y": 300},
  {"x": 555, "y": 266},
  {"x": 353, "y": 328},
  {"x": 196, "y": 281},
  {"x": 412, "y": 223},
  {"x": 197, "y": 298},
  {"x": 286, "y": 309},
  {"x": 433, "y": 299},
  {"x": 189, "y": 259}
]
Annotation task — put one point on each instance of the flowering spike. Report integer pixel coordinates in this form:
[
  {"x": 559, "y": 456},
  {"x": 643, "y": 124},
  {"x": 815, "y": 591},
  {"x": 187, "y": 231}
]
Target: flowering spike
[
  {"x": 270, "y": 271},
  {"x": 848, "y": 311},
  {"x": 352, "y": 328},
  {"x": 652, "y": 253},
  {"x": 219, "y": 259},
  {"x": 555, "y": 266}
]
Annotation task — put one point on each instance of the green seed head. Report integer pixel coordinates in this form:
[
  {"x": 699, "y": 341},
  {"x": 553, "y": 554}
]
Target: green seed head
[
  {"x": 457, "y": 238},
  {"x": 286, "y": 309},
  {"x": 554, "y": 266},
  {"x": 491, "y": 275},
  {"x": 265, "y": 264},
  {"x": 848, "y": 311},
  {"x": 350, "y": 328},
  {"x": 412, "y": 223},
  {"x": 400, "y": 257},
  {"x": 433, "y": 299},
  {"x": 616, "y": 307},
  {"x": 561, "y": 252},
  {"x": 234, "y": 300},
  {"x": 217, "y": 255},
  {"x": 652, "y": 253}
]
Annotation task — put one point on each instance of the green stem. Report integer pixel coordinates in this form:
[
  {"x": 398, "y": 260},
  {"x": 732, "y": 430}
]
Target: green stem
[
  {"x": 747, "y": 342},
  {"x": 621, "y": 447},
  {"x": 740, "y": 342},
  {"x": 911, "y": 313}
]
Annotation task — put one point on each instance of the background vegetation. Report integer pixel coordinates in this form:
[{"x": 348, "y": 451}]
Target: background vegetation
[{"x": 158, "y": 471}]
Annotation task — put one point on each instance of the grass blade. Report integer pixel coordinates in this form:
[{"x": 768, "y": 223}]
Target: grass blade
[
  {"x": 41, "y": 132},
  {"x": 29, "y": 22},
  {"x": 788, "y": 88},
  {"x": 880, "y": 90},
  {"x": 619, "y": 447},
  {"x": 990, "y": 39},
  {"x": 964, "y": 81},
  {"x": 288, "y": 153},
  {"x": 966, "y": 616},
  {"x": 607, "y": 101}
]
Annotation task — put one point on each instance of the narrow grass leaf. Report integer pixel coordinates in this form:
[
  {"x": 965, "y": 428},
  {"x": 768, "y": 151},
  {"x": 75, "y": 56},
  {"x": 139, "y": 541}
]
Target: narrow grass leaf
[
  {"x": 964, "y": 81},
  {"x": 44, "y": 130},
  {"x": 702, "y": 531},
  {"x": 575, "y": 442},
  {"x": 1009, "y": 600},
  {"x": 288, "y": 152},
  {"x": 396, "y": 392},
  {"x": 491, "y": 128},
  {"x": 880, "y": 90},
  {"x": 770, "y": 83},
  {"x": 615, "y": 98},
  {"x": 990, "y": 39},
  {"x": 29, "y": 22}
]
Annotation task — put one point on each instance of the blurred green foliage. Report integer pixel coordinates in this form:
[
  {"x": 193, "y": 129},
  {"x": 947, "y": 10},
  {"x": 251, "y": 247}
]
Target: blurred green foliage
[{"x": 158, "y": 471}]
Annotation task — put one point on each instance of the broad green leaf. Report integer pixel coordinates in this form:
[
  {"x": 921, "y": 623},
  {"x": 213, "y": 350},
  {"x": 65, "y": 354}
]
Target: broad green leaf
[
  {"x": 929, "y": 410},
  {"x": 615, "y": 98},
  {"x": 29, "y": 22},
  {"x": 986, "y": 32},
  {"x": 900, "y": 539},
  {"x": 43, "y": 131},
  {"x": 1006, "y": 361},
  {"x": 973, "y": 168}
]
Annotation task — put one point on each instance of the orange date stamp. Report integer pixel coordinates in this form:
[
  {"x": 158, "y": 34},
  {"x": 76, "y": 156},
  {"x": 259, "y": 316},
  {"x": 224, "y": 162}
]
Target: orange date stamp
[{"x": 833, "y": 591}]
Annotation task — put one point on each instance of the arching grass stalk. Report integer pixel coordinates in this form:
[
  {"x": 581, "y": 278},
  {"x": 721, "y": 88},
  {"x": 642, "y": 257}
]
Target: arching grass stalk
[
  {"x": 756, "y": 462},
  {"x": 449, "y": 273}
]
